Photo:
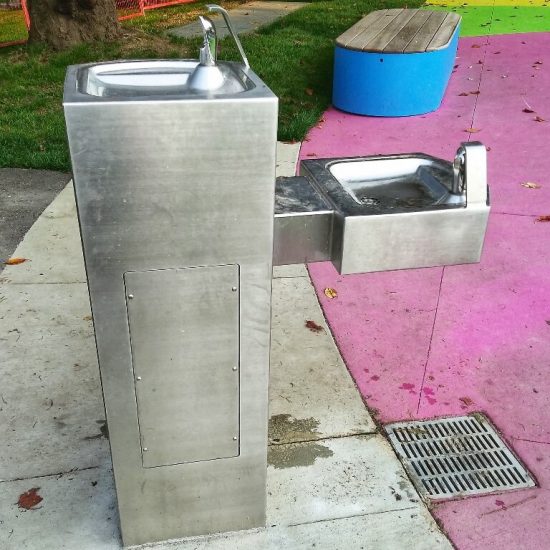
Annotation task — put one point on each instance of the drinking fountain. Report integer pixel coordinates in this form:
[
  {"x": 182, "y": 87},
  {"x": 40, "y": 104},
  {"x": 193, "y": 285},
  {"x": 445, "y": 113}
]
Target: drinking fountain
[
  {"x": 174, "y": 176},
  {"x": 384, "y": 212}
]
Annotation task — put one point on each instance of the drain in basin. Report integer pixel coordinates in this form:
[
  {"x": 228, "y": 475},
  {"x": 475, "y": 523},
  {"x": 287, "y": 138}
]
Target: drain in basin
[{"x": 457, "y": 457}]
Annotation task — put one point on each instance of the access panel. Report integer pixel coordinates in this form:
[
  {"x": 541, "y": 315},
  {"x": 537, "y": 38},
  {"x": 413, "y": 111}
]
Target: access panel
[{"x": 184, "y": 335}]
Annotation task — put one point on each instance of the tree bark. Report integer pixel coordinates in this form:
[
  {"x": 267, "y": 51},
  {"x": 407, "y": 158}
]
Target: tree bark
[{"x": 64, "y": 23}]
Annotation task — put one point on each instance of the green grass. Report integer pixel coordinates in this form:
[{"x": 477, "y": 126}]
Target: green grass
[
  {"x": 12, "y": 26},
  {"x": 488, "y": 20},
  {"x": 293, "y": 56}
]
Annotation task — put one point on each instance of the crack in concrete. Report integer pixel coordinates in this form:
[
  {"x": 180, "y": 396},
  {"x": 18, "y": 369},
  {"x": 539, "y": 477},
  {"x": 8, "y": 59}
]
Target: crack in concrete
[
  {"x": 380, "y": 512},
  {"x": 58, "y": 474}
]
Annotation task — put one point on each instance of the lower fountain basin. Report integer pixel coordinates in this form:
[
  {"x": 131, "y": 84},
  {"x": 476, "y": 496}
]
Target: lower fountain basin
[
  {"x": 386, "y": 184},
  {"x": 382, "y": 213},
  {"x": 399, "y": 183}
]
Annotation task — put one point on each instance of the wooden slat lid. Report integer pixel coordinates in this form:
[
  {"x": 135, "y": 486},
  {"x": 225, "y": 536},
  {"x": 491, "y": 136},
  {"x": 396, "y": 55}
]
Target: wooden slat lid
[{"x": 401, "y": 31}]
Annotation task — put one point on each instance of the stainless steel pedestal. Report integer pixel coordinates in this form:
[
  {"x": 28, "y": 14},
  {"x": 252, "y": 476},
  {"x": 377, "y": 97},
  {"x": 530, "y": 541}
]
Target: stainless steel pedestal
[{"x": 175, "y": 195}]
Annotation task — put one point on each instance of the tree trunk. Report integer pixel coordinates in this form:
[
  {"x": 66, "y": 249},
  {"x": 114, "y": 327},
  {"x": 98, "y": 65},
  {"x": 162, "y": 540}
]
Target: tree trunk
[{"x": 64, "y": 23}]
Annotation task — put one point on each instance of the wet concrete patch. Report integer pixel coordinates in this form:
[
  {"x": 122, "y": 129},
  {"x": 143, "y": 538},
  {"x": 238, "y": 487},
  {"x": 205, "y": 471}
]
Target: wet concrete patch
[
  {"x": 295, "y": 455},
  {"x": 287, "y": 429}
]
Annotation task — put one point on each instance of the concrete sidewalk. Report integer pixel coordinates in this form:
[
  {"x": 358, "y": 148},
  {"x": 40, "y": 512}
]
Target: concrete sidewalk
[
  {"x": 333, "y": 480},
  {"x": 244, "y": 19},
  {"x": 23, "y": 196}
]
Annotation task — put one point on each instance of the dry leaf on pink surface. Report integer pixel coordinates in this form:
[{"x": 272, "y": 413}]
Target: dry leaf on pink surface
[
  {"x": 331, "y": 293},
  {"x": 530, "y": 185}
]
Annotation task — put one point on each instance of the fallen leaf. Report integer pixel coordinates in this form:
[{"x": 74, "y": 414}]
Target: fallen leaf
[
  {"x": 375, "y": 378},
  {"x": 331, "y": 293},
  {"x": 15, "y": 261},
  {"x": 472, "y": 130},
  {"x": 476, "y": 92},
  {"x": 488, "y": 148},
  {"x": 311, "y": 155},
  {"x": 499, "y": 503},
  {"x": 530, "y": 185},
  {"x": 313, "y": 326},
  {"x": 543, "y": 219},
  {"x": 466, "y": 400},
  {"x": 537, "y": 63},
  {"x": 476, "y": 46},
  {"x": 463, "y": 94},
  {"x": 527, "y": 110},
  {"x": 539, "y": 119},
  {"x": 30, "y": 499},
  {"x": 309, "y": 91}
]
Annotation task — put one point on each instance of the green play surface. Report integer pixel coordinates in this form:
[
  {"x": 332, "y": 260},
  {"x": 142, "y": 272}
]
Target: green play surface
[{"x": 484, "y": 20}]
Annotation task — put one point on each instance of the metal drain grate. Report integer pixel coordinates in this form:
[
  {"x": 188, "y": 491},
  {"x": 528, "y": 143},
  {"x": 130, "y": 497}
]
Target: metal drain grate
[{"x": 457, "y": 457}]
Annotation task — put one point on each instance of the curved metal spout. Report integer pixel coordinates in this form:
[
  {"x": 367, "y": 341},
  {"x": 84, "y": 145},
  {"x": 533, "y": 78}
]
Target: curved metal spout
[
  {"x": 208, "y": 52},
  {"x": 218, "y": 9},
  {"x": 459, "y": 171},
  {"x": 207, "y": 76}
]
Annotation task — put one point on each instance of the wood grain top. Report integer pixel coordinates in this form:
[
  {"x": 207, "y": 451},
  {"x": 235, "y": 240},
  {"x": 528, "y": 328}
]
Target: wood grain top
[{"x": 401, "y": 31}]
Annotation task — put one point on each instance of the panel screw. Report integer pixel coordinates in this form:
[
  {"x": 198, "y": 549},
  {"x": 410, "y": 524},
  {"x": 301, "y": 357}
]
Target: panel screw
[
  {"x": 234, "y": 289},
  {"x": 138, "y": 378},
  {"x": 234, "y": 368},
  {"x": 235, "y": 438},
  {"x": 145, "y": 449},
  {"x": 130, "y": 296}
]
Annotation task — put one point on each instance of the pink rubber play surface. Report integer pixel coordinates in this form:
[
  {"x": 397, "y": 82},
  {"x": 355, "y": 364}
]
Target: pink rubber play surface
[{"x": 445, "y": 341}]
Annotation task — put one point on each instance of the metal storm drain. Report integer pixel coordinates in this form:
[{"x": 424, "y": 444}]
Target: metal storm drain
[{"x": 457, "y": 457}]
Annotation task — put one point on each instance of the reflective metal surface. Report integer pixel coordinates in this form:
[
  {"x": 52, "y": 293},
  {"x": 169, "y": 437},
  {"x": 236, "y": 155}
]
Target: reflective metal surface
[
  {"x": 167, "y": 179},
  {"x": 136, "y": 80},
  {"x": 218, "y": 9},
  {"x": 386, "y": 212},
  {"x": 303, "y": 223},
  {"x": 207, "y": 76},
  {"x": 208, "y": 54},
  {"x": 186, "y": 362},
  {"x": 398, "y": 184}
]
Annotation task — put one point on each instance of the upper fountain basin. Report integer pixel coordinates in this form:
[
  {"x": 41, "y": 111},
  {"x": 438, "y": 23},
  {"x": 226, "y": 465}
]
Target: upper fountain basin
[{"x": 155, "y": 80}]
